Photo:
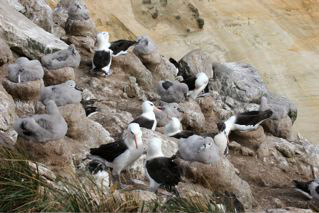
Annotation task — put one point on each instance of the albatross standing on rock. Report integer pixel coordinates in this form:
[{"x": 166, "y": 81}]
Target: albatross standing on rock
[
  {"x": 160, "y": 170},
  {"x": 120, "y": 154},
  {"x": 102, "y": 58},
  {"x": 147, "y": 119}
]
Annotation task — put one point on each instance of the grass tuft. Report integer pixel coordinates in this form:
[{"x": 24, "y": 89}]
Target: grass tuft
[{"x": 24, "y": 189}]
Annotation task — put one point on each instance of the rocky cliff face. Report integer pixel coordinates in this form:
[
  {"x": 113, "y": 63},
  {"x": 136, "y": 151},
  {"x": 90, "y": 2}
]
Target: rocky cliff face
[
  {"x": 278, "y": 37},
  {"x": 262, "y": 163}
]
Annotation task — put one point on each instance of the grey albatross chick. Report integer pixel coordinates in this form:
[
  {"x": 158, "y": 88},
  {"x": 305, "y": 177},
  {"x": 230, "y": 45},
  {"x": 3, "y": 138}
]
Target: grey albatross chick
[
  {"x": 43, "y": 127},
  {"x": 175, "y": 129},
  {"x": 198, "y": 148},
  {"x": 309, "y": 189},
  {"x": 172, "y": 91},
  {"x": 102, "y": 58},
  {"x": 25, "y": 70},
  {"x": 120, "y": 154},
  {"x": 120, "y": 47},
  {"x": 247, "y": 121},
  {"x": 62, "y": 94},
  {"x": 147, "y": 119},
  {"x": 160, "y": 170}
]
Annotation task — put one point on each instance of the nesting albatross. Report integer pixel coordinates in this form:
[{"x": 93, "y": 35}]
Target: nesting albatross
[
  {"x": 147, "y": 119},
  {"x": 197, "y": 148},
  {"x": 172, "y": 91},
  {"x": 43, "y": 127},
  {"x": 25, "y": 70},
  {"x": 62, "y": 94},
  {"x": 122, "y": 153}
]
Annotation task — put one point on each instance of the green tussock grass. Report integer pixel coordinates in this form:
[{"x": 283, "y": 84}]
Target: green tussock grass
[{"x": 23, "y": 189}]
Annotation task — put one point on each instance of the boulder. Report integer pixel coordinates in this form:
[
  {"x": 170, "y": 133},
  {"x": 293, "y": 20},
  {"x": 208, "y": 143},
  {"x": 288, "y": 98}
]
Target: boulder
[
  {"x": 132, "y": 65},
  {"x": 113, "y": 121},
  {"x": 132, "y": 89},
  {"x": 280, "y": 106},
  {"x": 211, "y": 117},
  {"x": 160, "y": 67},
  {"x": 63, "y": 58},
  {"x": 193, "y": 117},
  {"x": 80, "y": 27},
  {"x": 164, "y": 70},
  {"x": 26, "y": 91},
  {"x": 195, "y": 62},
  {"x": 7, "y": 110},
  {"x": 6, "y": 140},
  {"x": 284, "y": 115},
  {"x": 220, "y": 176},
  {"x": 25, "y": 37},
  {"x": 74, "y": 116},
  {"x": 16, "y": 4},
  {"x": 5, "y": 53},
  {"x": 239, "y": 81},
  {"x": 250, "y": 139},
  {"x": 85, "y": 46},
  {"x": 280, "y": 128},
  {"x": 39, "y": 12},
  {"x": 58, "y": 76},
  {"x": 57, "y": 155}
]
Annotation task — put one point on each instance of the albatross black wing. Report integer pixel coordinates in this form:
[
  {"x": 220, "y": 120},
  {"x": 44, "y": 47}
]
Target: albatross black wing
[
  {"x": 183, "y": 134},
  {"x": 144, "y": 122},
  {"x": 121, "y": 45},
  {"x": 252, "y": 117},
  {"x": 109, "y": 151},
  {"x": 163, "y": 170}
]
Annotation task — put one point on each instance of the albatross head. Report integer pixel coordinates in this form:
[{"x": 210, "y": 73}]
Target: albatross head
[
  {"x": 70, "y": 83},
  {"x": 135, "y": 134},
  {"x": 154, "y": 148},
  {"x": 148, "y": 106},
  {"x": 102, "y": 40}
]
